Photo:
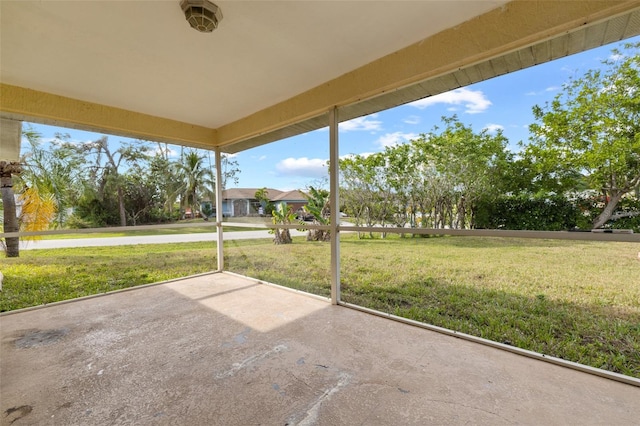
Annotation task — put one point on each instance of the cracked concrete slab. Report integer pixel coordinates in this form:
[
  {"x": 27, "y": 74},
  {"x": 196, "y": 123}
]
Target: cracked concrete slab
[{"x": 221, "y": 350}]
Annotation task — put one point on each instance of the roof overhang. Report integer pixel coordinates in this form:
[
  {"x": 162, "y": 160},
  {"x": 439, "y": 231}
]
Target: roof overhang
[{"x": 361, "y": 57}]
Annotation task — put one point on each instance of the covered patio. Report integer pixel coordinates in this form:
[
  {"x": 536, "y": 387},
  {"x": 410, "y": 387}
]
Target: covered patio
[
  {"x": 227, "y": 350},
  {"x": 223, "y": 349}
]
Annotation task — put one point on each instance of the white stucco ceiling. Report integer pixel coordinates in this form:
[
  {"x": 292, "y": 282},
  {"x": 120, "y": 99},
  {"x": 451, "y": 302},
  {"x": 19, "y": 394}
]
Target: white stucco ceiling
[{"x": 143, "y": 56}]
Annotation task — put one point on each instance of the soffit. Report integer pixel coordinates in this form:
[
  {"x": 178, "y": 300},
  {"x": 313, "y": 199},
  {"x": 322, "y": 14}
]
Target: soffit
[{"x": 142, "y": 56}]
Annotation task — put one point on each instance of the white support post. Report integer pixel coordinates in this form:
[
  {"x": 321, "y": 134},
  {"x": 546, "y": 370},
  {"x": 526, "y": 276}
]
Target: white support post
[
  {"x": 219, "y": 212},
  {"x": 334, "y": 205}
]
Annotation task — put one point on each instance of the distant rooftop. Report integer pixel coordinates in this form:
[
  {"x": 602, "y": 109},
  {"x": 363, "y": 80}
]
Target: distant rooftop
[{"x": 273, "y": 194}]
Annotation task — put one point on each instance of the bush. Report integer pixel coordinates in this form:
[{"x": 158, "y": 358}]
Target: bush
[
  {"x": 522, "y": 212},
  {"x": 552, "y": 213},
  {"x": 627, "y": 205},
  {"x": 76, "y": 222}
]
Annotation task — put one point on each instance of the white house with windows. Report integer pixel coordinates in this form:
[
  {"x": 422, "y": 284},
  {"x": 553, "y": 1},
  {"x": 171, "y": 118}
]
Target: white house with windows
[{"x": 242, "y": 202}]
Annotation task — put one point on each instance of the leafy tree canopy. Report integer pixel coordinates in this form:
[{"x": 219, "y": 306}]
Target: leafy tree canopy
[{"x": 591, "y": 131}]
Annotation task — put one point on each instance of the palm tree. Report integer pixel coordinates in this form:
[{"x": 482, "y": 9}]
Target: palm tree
[
  {"x": 283, "y": 215},
  {"x": 53, "y": 172},
  {"x": 318, "y": 207},
  {"x": 11, "y": 224},
  {"x": 164, "y": 175},
  {"x": 195, "y": 180}
]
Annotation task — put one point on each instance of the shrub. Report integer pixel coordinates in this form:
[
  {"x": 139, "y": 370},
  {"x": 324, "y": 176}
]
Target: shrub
[{"x": 522, "y": 212}]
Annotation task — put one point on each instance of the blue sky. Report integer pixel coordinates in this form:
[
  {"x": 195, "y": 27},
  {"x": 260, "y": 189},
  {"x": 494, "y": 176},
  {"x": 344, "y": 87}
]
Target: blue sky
[{"x": 501, "y": 103}]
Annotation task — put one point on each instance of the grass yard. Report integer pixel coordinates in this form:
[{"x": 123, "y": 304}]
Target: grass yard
[
  {"x": 43, "y": 276},
  {"x": 575, "y": 300}
]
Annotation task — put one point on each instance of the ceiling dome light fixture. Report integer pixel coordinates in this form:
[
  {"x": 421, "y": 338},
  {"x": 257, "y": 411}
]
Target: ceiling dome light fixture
[{"x": 202, "y": 15}]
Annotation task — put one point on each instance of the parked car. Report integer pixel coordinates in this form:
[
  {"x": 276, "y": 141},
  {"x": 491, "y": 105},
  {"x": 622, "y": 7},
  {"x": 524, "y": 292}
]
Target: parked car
[{"x": 301, "y": 214}]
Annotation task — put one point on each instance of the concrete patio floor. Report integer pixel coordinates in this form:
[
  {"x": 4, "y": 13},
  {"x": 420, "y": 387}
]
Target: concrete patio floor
[{"x": 223, "y": 350}]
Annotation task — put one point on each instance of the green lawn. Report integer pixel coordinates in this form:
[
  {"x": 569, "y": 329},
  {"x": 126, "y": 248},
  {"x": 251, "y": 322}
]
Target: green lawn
[{"x": 575, "y": 300}]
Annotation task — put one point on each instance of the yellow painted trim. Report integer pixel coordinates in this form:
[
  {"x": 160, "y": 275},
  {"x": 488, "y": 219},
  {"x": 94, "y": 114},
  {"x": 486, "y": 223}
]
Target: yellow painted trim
[
  {"x": 516, "y": 25},
  {"x": 32, "y": 105}
]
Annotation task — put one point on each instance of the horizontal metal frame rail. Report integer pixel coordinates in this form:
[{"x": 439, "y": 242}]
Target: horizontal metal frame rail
[
  {"x": 495, "y": 233},
  {"x": 551, "y": 235}
]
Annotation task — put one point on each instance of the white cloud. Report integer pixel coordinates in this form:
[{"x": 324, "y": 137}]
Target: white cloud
[
  {"x": 366, "y": 154},
  {"x": 412, "y": 119},
  {"x": 306, "y": 167},
  {"x": 362, "y": 154},
  {"x": 615, "y": 57},
  {"x": 493, "y": 128},
  {"x": 392, "y": 139},
  {"x": 546, "y": 90},
  {"x": 474, "y": 101},
  {"x": 347, "y": 156},
  {"x": 361, "y": 123}
]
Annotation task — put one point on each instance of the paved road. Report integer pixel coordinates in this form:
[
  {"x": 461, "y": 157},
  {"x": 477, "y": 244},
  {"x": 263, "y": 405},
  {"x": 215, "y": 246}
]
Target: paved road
[{"x": 148, "y": 239}]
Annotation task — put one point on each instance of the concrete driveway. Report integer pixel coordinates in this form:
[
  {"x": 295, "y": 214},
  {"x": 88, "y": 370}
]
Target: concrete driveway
[{"x": 147, "y": 239}]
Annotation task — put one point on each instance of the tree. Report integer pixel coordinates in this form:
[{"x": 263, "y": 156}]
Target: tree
[
  {"x": 403, "y": 177},
  {"x": 440, "y": 176},
  {"x": 38, "y": 211},
  {"x": 282, "y": 215},
  {"x": 105, "y": 175},
  {"x": 195, "y": 180},
  {"x": 143, "y": 201},
  {"x": 11, "y": 224},
  {"x": 366, "y": 191},
  {"x": 318, "y": 207},
  {"x": 262, "y": 195},
  {"x": 591, "y": 131},
  {"x": 54, "y": 172},
  {"x": 467, "y": 167},
  {"x": 163, "y": 177},
  {"x": 230, "y": 170}
]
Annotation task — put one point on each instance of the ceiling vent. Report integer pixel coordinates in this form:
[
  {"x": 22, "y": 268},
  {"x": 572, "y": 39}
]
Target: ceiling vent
[{"x": 202, "y": 15}]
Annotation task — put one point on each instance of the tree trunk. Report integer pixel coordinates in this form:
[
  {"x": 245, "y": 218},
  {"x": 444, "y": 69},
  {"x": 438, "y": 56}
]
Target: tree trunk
[
  {"x": 10, "y": 218},
  {"x": 123, "y": 212},
  {"x": 608, "y": 210},
  {"x": 318, "y": 235},
  {"x": 283, "y": 236},
  {"x": 461, "y": 214}
]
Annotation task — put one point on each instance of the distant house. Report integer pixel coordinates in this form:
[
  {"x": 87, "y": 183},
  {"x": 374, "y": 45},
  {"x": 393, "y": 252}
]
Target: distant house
[
  {"x": 239, "y": 202},
  {"x": 294, "y": 199}
]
